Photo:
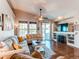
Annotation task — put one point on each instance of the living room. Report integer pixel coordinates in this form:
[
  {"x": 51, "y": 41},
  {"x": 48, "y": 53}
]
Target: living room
[{"x": 39, "y": 29}]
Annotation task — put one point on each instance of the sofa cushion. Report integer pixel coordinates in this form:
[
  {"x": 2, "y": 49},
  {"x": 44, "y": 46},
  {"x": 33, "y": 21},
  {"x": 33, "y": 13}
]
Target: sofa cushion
[
  {"x": 25, "y": 46},
  {"x": 14, "y": 39},
  {"x": 10, "y": 40},
  {"x": 4, "y": 47},
  {"x": 9, "y": 43}
]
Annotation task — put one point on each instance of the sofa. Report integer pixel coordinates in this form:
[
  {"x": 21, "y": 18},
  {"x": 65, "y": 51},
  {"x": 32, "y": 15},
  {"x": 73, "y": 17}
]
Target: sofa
[
  {"x": 14, "y": 39},
  {"x": 8, "y": 42},
  {"x": 31, "y": 37},
  {"x": 10, "y": 53},
  {"x": 34, "y": 36}
]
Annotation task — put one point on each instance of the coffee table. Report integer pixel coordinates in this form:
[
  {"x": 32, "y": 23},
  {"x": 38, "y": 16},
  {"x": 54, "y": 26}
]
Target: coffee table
[
  {"x": 41, "y": 47},
  {"x": 37, "y": 45}
]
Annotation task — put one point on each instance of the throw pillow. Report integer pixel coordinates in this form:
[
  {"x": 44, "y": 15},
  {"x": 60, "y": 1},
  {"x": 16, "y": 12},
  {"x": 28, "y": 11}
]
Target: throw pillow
[
  {"x": 28, "y": 36},
  {"x": 37, "y": 54},
  {"x": 20, "y": 39}
]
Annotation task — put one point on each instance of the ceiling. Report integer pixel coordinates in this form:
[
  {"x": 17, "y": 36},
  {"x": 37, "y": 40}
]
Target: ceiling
[{"x": 51, "y": 8}]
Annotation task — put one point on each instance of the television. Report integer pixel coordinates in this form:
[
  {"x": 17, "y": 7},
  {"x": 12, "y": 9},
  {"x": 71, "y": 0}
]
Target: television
[{"x": 63, "y": 27}]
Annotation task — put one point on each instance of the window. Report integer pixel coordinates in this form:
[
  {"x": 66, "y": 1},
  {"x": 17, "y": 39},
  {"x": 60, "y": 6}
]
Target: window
[
  {"x": 24, "y": 26},
  {"x": 23, "y": 30},
  {"x": 32, "y": 28}
]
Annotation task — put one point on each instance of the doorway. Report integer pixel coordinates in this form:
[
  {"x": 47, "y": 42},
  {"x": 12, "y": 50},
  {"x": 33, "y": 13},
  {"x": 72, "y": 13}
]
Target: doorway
[{"x": 46, "y": 31}]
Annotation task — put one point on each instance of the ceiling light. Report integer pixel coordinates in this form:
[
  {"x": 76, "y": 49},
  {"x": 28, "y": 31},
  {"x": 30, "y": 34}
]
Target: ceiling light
[
  {"x": 41, "y": 17},
  {"x": 61, "y": 17}
]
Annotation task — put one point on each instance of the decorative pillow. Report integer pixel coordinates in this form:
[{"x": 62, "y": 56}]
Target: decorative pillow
[
  {"x": 20, "y": 39},
  {"x": 28, "y": 36},
  {"x": 37, "y": 54},
  {"x": 15, "y": 46},
  {"x": 9, "y": 42}
]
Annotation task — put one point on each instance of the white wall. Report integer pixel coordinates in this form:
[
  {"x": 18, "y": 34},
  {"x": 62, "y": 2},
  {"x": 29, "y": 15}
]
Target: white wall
[
  {"x": 77, "y": 33},
  {"x": 5, "y": 9},
  {"x": 68, "y": 21}
]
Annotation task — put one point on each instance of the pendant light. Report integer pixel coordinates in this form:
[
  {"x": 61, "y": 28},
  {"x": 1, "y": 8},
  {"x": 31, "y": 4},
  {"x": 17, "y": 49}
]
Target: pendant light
[{"x": 41, "y": 17}]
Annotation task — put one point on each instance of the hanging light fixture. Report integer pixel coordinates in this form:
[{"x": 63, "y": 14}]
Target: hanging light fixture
[{"x": 41, "y": 17}]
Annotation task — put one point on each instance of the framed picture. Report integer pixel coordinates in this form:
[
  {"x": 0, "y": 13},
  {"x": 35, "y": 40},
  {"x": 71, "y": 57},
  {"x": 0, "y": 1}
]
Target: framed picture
[
  {"x": 76, "y": 27},
  {"x": 6, "y": 22},
  {"x": 8, "y": 25},
  {"x": 0, "y": 19}
]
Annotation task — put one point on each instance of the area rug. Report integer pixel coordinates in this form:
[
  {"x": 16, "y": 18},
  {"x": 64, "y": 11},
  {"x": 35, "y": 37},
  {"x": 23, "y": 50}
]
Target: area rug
[{"x": 48, "y": 53}]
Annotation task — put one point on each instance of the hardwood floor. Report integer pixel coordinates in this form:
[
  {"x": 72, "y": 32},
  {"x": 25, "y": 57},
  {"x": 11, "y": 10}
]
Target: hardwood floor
[{"x": 64, "y": 50}]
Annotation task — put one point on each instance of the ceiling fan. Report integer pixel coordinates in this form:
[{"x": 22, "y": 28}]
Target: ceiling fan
[{"x": 41, "y": 17}]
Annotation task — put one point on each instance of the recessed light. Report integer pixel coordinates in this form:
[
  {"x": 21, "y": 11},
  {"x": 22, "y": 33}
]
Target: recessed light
[{"x": 60, "y": 17}]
